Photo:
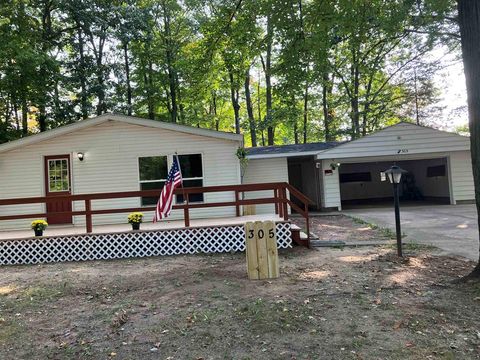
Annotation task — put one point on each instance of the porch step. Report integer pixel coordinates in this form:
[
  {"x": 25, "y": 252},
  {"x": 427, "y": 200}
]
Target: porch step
[{"x": 298, "y": 236}]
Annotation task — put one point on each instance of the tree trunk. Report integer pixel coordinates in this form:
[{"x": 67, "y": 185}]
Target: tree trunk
[
  {"x": 15, "y": 112},
  {"x": 101, "y": 89},
  {"x": 234, "y": 98},
  {"x": 43, "y": 72},
  {"x": 417, "y": 115},
  {"x": 127, "y": 77},
  {"x": 82, "y": 76},
  {"x": 305, "y": 113},
  {"x": 150, "y": 100},
  {"x": 268, "y": 82},
  {"x": 295, "y": 132},
  {"x": 214, "y": 110},
  {"x": 172, "y": 76},
  {"x": 251, "y": 118},
  {"x": 469, "y": 20},
  {"x": 327, "y": 89},
  {"x": 56, "y": 101},
  {"x": 181, "y": 107},
  {"x": 354, "y": 96},
  {"x": 24, "y": 116}
]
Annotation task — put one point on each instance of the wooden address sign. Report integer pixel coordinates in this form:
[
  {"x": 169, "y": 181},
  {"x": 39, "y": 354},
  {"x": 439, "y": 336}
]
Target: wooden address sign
[{"x": 261, "y": 250}]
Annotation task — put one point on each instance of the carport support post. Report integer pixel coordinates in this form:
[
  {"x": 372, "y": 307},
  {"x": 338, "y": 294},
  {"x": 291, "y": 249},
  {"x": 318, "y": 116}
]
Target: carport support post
[{"x": 397, "y": 219}]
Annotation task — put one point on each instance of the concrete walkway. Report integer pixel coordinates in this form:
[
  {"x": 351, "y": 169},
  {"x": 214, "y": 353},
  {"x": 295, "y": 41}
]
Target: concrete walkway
[{"x": 452, "y": 228}]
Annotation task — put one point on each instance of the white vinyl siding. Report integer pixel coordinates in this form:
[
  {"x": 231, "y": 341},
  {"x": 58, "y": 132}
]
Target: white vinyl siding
[
  {"x": 111, "y": 153},
  {"x": 330, "y": 184},
  {"x": 462, "y": 177},
  {"x": 265, "y": 171}
]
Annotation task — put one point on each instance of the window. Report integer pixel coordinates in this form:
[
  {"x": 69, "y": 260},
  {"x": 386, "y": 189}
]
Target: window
[
  {"x": 433, "y": 171},
  {"x": 153, "y": 173},
  {"x": 192, "y": 175},
  {"x": 355, "y": 177},
  {"x": 58, "y": 176}
]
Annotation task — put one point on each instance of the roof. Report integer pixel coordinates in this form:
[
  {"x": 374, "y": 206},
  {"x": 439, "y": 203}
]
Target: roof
[
  {"x": 400, "y": 140},
  {"x": 82, "y": 124},
  {"x": 289, "y": 150}
]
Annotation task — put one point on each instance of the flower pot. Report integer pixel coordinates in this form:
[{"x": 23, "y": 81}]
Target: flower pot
[
  {"x": 135, "y": 226},
  {"x": 38, "y": 232}
]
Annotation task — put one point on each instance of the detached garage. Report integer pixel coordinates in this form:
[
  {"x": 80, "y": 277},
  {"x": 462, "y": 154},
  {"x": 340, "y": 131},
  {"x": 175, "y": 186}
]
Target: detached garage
[{"x": 336, "y": 175}]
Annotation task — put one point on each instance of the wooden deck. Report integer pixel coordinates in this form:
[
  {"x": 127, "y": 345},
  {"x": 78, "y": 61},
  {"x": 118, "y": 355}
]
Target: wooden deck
[{"x": 60, "y": 230}]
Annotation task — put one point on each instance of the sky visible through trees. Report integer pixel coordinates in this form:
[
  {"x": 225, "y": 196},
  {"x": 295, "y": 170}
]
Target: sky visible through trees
[{"x": 277, "y": 71}]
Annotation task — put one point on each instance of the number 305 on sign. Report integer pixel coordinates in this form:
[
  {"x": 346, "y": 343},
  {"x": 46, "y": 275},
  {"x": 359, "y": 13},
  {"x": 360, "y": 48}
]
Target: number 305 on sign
[{"x": 260, "y": 233}]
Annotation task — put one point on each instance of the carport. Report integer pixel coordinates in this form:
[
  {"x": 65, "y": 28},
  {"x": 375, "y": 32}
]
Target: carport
[{"x": 438, "y": 164}]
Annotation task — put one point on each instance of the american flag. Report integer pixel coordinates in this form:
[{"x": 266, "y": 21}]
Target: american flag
[{"x": 165, "y": 202}]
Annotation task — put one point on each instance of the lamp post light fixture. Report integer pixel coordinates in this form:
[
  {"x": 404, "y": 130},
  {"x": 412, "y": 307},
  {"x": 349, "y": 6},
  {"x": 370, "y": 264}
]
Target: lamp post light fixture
[{"x": 394, "y": 175}]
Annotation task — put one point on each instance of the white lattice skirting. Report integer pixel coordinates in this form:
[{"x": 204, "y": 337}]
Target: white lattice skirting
[{"x": 131, "y": 244}]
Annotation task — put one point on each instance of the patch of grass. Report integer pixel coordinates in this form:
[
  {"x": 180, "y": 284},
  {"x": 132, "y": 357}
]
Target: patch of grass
[
  {"x": 387, "y": 232},
  {"x": 266, "y": 316},
  {"x": 412, "y": 246},
  {"x": 35, "y": 297},
  {"x": 11, "y": 331}
]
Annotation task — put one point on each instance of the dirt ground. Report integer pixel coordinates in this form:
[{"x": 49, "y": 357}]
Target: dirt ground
[
  {"x": 344, "y": 228},
  {"x": 361, "y": 303}
]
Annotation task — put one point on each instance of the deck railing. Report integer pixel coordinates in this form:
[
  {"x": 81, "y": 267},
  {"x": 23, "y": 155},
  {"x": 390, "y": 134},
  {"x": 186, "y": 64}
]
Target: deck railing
[{"x": 280, "y": 200}]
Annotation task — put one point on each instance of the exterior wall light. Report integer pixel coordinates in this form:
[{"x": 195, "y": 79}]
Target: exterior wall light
[
  {"x": 334, "y": 166},
  {"x": 80, "y": 156}
]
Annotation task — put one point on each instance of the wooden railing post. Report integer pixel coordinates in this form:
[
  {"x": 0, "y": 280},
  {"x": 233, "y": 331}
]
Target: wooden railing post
[
  {"x": 186, "y": 210},
  {"x": 88, "y": 215},
  {"x": 307, "y": 222},
  {"x": 237, "y": 204},
  {"x": 279, "y": 203},
  {"x": 275, "y": 195},
  {"x": 284, "y": 204}
]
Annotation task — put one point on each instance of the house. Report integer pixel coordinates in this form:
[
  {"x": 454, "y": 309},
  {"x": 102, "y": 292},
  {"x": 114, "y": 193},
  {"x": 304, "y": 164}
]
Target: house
[
  {"x": 114, "y": 153},
  {"x": 334, "y": 175}
]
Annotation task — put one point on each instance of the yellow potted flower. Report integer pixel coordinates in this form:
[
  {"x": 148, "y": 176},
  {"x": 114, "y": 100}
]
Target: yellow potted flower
[
  {"x": 38, "y": 226},
  {"x": 135, "y": 218}
]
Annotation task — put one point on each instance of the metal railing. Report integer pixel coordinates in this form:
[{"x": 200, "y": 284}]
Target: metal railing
[{"x": 280, "y": 199}]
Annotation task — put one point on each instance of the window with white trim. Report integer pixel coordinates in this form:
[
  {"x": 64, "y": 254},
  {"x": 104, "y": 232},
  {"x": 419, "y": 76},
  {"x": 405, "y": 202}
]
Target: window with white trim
[
  {"x": 153, "y": 174},
  {"x": 191, "y": 166}
]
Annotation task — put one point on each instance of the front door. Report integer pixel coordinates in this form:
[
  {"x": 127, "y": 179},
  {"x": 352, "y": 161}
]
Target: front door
[{"x": 57, "y": 182}]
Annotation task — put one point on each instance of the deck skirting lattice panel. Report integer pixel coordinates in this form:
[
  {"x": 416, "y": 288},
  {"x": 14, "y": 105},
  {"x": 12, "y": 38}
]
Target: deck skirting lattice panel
[{"x": 215, "y": 239}]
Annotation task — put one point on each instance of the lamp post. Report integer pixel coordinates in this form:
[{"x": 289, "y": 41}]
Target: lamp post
[{"x": 395, "y": 176}]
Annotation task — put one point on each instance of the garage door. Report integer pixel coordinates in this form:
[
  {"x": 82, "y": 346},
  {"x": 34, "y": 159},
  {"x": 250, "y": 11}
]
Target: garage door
[{"x": 427, "y": 181}]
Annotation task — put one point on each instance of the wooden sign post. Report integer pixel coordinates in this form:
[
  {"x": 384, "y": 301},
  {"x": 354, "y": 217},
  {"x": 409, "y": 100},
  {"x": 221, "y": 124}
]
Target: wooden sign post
[{"x": 261, "y": 250}]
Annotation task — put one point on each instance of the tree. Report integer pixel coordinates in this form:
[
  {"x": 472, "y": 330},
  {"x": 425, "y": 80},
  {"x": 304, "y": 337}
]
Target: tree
[
  {"x": 280, "y": 72},
  {"x": 469, "y": 21}
]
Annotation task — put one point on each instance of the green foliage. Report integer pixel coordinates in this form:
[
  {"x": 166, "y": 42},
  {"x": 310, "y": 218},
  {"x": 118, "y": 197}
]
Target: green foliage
[{"x": 338, "y": 69}]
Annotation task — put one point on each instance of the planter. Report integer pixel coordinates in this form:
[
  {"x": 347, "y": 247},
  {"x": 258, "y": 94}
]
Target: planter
[
  {"x": 135, "y": 226},
  {"x": 38, "y": 232}
]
